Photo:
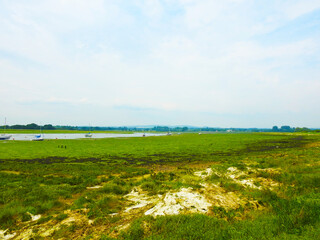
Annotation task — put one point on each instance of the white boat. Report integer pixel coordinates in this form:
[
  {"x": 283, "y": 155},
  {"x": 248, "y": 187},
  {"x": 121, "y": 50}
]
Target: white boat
[
  {"x": 39, "y": 137},
  {"x": 88, "y": 134},
  {"x": 5, "y": 136}
]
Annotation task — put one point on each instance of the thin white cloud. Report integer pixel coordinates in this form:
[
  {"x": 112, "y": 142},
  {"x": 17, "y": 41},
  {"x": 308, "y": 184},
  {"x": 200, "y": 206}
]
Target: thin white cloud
[
  {"x": 297, "y": 8},
  {"x": 151, "y": 8}
]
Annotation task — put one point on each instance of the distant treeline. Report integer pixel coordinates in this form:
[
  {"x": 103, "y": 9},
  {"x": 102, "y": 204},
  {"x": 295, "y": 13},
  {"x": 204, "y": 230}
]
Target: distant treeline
[
  {"x": 163, "y": 128},
  {"x": 31, "y": 126},
  {"x": 289, "y": 129}
]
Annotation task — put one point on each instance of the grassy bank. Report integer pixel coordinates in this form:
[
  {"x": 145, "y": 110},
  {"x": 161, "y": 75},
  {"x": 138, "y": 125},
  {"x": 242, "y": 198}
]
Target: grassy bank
[
  {"x": 260, "y": 186},
  {"x": 149, "y": 150}
]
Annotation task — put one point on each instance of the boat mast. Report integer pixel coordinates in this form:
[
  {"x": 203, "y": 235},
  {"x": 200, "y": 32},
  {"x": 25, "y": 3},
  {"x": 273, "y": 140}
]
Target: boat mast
[{"x": 5, "y": 123}]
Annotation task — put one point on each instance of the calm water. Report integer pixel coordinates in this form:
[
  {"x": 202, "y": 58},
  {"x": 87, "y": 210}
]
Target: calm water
[{"x": 27, "y": 137}]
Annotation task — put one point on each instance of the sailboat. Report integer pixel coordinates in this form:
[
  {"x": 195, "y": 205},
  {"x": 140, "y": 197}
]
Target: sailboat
[
  {"x": 89, "y": 134},
  {"x": 5, "y": 136},
  {"x": 39, "y": 137}
]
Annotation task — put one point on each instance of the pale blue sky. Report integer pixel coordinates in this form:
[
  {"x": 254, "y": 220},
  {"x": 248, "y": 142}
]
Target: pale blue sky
[{"x": 231, "y": 63}]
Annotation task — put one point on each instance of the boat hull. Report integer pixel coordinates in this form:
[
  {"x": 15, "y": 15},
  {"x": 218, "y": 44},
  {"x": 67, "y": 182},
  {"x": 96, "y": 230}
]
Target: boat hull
[
  {"x": 5, "y": 137},
  {"x": 37, "y": 139}
]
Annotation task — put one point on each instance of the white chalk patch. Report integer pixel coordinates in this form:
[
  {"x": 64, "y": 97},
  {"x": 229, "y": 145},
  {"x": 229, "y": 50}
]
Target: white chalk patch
[
  {"x": 34, "y": 217},
  {"x": 204, "y": 174},
  {"x": 232, "y": 169},
  {"x": 24, "y": 235},
  {"x": 140, "y": 199},
  {"x": 171, "y": 203},
  {"x": 4, "y": 236},
  {"x": 174, "y": 203},
  {"x": 113, "y": 214},
  {"x": 95, "y": 187},
  {"x": 235, "y": 173}
]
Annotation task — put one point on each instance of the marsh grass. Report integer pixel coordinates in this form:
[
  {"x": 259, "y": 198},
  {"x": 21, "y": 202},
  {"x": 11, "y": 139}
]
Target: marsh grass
[
  {"x": 103, "y": 206},
  {"x": 44, "y": 179}
]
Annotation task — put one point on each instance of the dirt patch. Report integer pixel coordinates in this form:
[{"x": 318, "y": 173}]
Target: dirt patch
[
  {"x": 73, "y": 217},
  {"x": 163, "y": 168},
  {"x": 70, "y": 201},
  {"x": 313, "y": 145},
  {"x": 219, "y": 197},
  {"x": 201, "y": 165},
  {"x": 47, "y": 229},
  {"x": 290, "y": 142},
  {"x": 268, "y": 170}
]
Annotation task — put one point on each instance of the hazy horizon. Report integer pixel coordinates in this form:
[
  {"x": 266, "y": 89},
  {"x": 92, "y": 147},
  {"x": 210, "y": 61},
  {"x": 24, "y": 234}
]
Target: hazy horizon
[
  {"x": 233, "y": 63},
  {"x": 169, "y": 126}
]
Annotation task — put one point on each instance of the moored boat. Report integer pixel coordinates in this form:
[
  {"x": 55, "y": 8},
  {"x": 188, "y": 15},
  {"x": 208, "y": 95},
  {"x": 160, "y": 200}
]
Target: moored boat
[
  {"x": 88, "y": 134},
  {"x": 39, "y": 137},
  {"x": 5, "y": 136}
]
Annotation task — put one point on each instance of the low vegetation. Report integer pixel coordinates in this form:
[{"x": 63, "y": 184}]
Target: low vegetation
[{"x": 188, "y": 186}]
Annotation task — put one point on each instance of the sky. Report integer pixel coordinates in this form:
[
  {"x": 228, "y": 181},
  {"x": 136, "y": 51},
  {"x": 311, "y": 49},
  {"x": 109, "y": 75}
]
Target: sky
[{"x": 230, "y": 63}]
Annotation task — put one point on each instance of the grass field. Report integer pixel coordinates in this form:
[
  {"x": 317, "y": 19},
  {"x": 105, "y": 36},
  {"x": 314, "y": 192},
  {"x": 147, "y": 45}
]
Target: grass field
[{"x": 189, "y": 186}]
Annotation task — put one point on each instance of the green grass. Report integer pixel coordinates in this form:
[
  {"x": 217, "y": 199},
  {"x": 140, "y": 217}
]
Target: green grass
[
  {"x": 187, "y": 147},
  {"x": 205, "y": 227},
  {"x": 42, "y": 178}
]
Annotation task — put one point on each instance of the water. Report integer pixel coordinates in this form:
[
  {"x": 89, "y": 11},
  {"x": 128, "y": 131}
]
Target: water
[{"x": 28, "y": 137}]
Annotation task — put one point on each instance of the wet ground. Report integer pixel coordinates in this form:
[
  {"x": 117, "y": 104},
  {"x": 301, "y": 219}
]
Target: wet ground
[{"x": 28, "y": 137}]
